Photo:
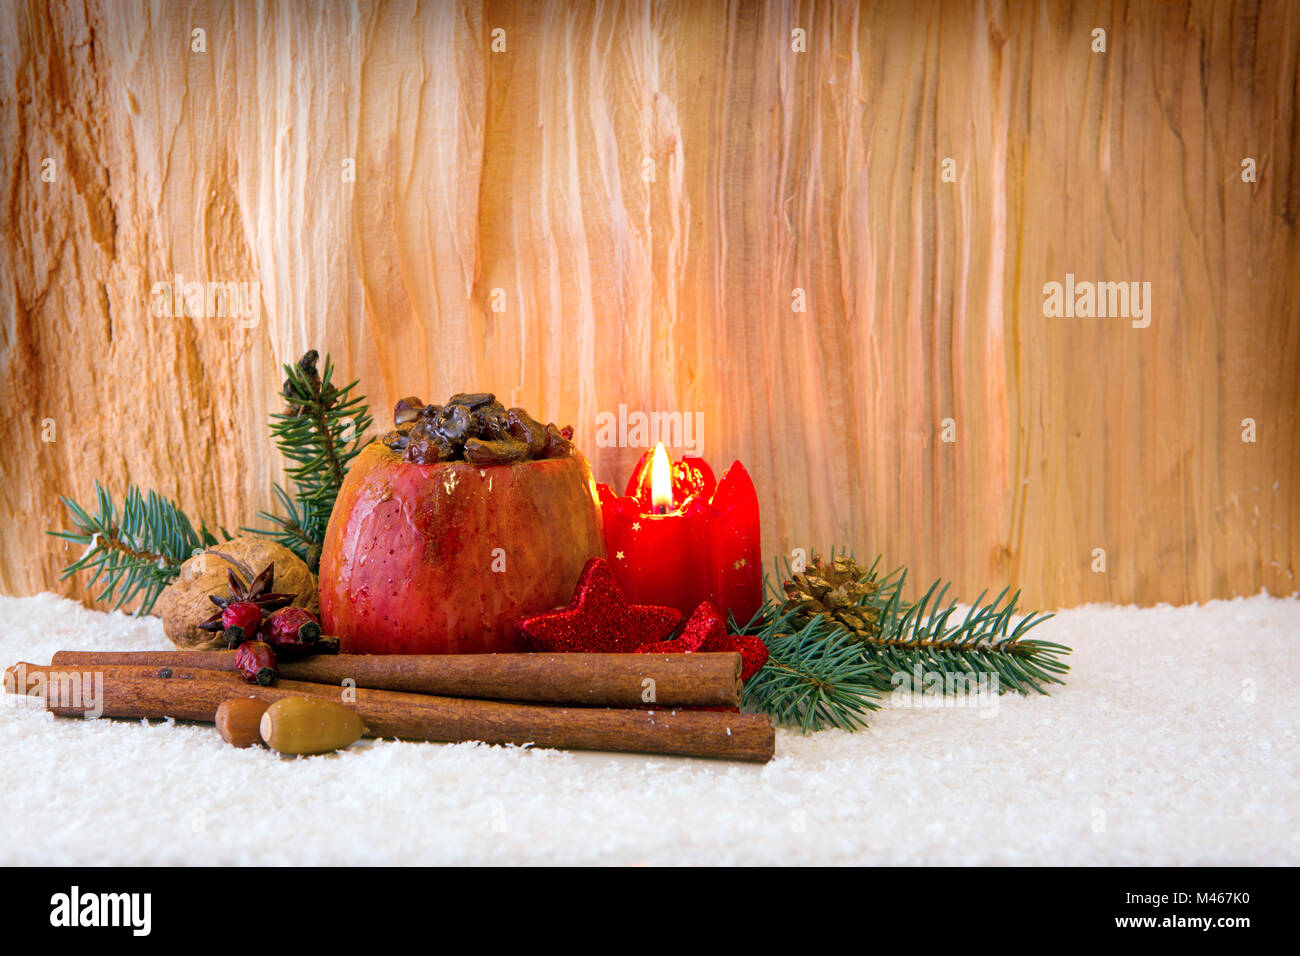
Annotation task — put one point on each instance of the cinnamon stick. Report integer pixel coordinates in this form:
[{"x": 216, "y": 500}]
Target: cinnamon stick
[
  {"x": 136, "y": 691},
  {"x": 608, "y": 680}
]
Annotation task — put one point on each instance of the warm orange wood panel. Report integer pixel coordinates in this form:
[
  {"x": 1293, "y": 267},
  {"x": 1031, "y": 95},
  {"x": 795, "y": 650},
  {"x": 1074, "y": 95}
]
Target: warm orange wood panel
[{"x": 628, "y": 203}]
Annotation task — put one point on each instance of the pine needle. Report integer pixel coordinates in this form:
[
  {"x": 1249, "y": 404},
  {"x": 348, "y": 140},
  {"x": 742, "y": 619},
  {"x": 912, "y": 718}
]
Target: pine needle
[
  {"x": 815, "y": 677},
  {"x": 927, "y": 637},
  {"x": 135, "y": 550},
  {"x": 822, "y": 674},
  {"x": 320, "y": 432}
]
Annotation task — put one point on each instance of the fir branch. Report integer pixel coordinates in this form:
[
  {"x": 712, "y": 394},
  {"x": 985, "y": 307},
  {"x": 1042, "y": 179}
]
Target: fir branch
[
  {"x": 927, "y": 638},
  {"x": 137, "y": 550},
  {"x": 823, "y": 673},
  {"x": 295, "y": 528},
  {"x": 320, "y": 432},
  {"x": 815, "y": 676}
]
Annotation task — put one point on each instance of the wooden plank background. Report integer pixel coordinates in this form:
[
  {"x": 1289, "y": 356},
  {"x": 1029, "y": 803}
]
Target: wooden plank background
[{"x": 624, "y": 205}]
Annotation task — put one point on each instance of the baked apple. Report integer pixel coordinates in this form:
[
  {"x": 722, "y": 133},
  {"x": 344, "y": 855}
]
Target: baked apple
[{"x": 464, "y": 518}]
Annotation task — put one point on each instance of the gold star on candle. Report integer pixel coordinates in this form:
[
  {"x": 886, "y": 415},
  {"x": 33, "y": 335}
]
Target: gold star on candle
[
  {"x": 618, "y": 555},
  {"x": 636, "y": 526},
  {"x": 739, "y": 564}
]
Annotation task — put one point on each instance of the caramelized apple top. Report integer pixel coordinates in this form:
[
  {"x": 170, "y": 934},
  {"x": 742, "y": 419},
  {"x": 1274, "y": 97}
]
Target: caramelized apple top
[{"x": 472, "y": 427}]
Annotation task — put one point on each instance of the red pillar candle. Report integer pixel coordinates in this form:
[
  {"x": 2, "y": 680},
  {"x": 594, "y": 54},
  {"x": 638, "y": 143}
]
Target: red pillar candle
[{"x": 691, "y": 539}]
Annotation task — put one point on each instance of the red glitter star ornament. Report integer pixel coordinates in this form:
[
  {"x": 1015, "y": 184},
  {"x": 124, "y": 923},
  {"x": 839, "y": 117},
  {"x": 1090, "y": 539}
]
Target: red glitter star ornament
[
  {"x": 706, "y": 630},
  {"x": 598, "y": 620}
]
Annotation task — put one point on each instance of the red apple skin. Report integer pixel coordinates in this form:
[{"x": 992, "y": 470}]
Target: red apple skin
[{"x": 407, "y": 565}]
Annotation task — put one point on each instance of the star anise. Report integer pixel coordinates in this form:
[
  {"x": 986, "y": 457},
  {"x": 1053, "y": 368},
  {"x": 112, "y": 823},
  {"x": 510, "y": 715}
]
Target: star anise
[{"x": 250, "y": 589}]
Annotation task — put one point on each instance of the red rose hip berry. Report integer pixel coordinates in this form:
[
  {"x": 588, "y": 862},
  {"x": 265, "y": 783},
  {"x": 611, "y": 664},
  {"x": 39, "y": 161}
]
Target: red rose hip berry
[
  {"x": 292, "y": 631},
  {"x": 241, "y": 622},
  {"x": 256, "y": 661}
]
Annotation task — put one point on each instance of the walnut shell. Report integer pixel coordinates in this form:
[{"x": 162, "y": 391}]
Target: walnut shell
[{"x": 184, "y": 604}]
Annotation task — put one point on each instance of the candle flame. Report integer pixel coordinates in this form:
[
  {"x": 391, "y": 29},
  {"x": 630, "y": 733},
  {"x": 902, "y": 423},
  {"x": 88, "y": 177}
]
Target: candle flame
[{"x": 661, "y": 481}]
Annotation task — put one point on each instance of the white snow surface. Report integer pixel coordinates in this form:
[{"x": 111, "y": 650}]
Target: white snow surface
[{"x": 1174, "y": 742}]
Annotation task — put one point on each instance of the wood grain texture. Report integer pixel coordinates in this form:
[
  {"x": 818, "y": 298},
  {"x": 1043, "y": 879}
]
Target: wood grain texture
[{"x": 620, "y": 206}]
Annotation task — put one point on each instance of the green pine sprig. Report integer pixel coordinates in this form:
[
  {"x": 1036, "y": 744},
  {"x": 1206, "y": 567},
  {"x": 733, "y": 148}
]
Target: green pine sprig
[
  {"x": 135, "y": 550},
  {"x": 821, "y": 674},
  {"x": 930, "y": 637},
  {"x": 814, "y": 677},
  {"x": 320, "y": 432}
]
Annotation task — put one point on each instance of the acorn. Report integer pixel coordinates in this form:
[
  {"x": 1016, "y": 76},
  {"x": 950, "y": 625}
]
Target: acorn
[
  {"x": 307, "y": 725},
  {"x": 239, "y": 720}
]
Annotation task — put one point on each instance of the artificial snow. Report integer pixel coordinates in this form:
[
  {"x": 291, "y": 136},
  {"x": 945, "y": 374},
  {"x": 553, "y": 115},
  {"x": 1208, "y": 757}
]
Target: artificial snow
[{"x": 1174, "y": 742}]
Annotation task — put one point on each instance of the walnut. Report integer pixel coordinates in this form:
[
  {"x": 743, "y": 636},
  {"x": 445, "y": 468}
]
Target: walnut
[{"x": 184, "y": 604}]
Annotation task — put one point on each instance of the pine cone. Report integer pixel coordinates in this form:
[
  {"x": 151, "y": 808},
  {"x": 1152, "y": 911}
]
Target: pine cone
[{"x": 835, "y": 589}]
